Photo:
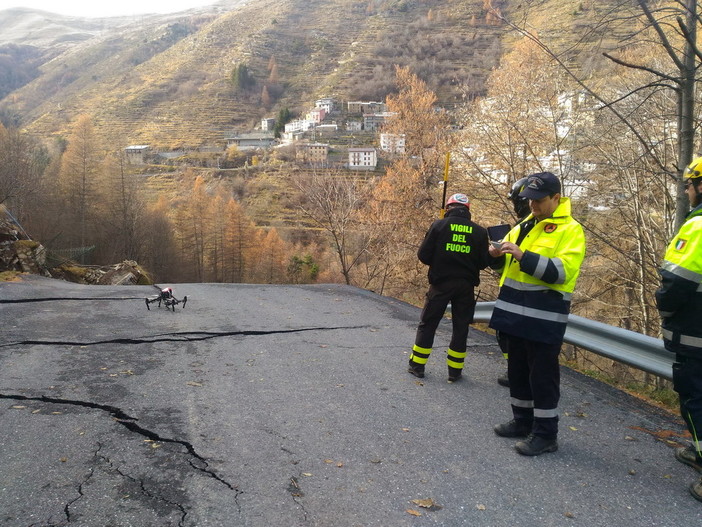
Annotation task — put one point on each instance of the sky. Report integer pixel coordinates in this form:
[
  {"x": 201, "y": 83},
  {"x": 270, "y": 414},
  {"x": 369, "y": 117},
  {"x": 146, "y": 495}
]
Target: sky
[{"x": 103, "y": 8}]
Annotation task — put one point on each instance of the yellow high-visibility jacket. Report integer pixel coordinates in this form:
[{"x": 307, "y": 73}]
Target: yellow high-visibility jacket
[
  {"x": 535, "y": 293},
  {"x": 679, "y": 298}
]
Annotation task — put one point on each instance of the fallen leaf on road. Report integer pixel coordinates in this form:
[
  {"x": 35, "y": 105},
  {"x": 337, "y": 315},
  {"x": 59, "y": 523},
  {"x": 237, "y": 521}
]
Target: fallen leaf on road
[
  {"x": 427, "y": 504},
  {"x": 573, "y": 428},
  {"x": 481, "y": 507},
  {"x": 19, "y": 407},
  {"x": 413, "y": 512},
  {"x": 665, "y": 436},
  {"x": 193, "y": 383}
]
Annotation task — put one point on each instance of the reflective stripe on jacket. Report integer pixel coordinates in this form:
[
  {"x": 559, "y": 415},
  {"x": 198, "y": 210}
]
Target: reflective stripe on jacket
[
  {"x": 535, "y": 294},
  {"x": 679, "y": 298}
]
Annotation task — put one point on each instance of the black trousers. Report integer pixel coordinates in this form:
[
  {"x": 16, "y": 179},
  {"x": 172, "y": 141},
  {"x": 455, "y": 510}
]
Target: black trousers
[
  {"x": 534, "y": 383},
  {"x": 460, "y": 293},
  {"x": 687, "y": 382}
]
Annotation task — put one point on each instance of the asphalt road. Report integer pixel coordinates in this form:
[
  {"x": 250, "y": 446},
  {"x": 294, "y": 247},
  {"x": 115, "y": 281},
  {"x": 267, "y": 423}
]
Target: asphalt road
[{"x": 291, "y": 406}]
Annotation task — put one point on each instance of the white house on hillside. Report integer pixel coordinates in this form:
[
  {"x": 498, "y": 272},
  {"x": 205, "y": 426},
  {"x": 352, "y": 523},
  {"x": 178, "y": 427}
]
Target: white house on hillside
[
  {"x": 392, "y": 143},
  {"x": 375, "y": 121},
  {"x": 135, "y": 154},
  {"x": 364, "y": 158},
  {"x": 298, "y": 125},
  {"x": 326, "y": 103}
]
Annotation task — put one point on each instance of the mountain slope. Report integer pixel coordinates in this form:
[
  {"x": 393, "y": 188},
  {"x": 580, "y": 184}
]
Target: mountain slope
[{"x": 165, "y": 80}]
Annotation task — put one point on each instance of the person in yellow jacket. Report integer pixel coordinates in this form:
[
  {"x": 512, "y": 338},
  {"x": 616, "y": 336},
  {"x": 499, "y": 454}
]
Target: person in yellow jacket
[
  {"x": 679, "y": 301},
  {"x": 540, "y": 260}
]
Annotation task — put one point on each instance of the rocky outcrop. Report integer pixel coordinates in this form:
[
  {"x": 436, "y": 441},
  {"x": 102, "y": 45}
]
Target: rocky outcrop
[
  {"x": 127, "y": 272},
  {"x": 20, "y": 254},
  {"x": 17, "y": 251}
]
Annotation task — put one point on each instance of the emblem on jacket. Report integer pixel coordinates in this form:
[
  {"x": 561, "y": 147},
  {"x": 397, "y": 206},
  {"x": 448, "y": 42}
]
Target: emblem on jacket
[{"x": 548, "y": 229}]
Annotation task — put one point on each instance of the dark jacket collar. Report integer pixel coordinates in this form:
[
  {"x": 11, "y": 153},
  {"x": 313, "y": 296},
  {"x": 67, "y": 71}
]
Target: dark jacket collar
[{"x": 458, "y": 211}]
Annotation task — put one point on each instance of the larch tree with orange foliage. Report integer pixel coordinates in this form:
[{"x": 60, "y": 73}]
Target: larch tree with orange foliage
[
  {"x": 268, "y": 258},
  {"x": 408, "y": 197},
  {"x": 238, "y": 239},
  {"x": 79, "y": 184},
  {"x": 193, "y": 221},
  {"x": 160, "y": 255}
]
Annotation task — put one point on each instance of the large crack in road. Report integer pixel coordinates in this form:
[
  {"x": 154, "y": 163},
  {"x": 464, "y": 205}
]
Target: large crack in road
[
  {"x": 130, "y": 423},
  {"x": 185, "y": 336}
]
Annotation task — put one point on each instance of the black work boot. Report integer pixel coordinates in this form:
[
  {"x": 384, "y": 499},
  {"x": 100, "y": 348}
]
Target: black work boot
[
  {"x": 514, "y": 428},
  {"x": 536, "y": 445},
  {"x": 454, "y": 374},
  {"x": 416, "y": 369},
  {"x": 696, "y": 490},
  {"x": 503, "y": 380},
  {"x": 688, "y": 455}
]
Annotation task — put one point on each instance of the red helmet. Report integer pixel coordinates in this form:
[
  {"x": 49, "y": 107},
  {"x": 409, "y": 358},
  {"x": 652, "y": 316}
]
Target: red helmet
[{"x": 458, "y": 199}]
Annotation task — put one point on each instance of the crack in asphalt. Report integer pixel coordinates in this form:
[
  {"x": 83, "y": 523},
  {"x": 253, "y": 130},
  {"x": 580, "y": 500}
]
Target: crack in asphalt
[
  {"x": 67, "y": 507},
  {"x": 184, "y": 336},
  {"x": 296, "y": 493},
  {"x": 72, "y": 298},
  {"x": 130, "y": 424},
  {"x": 146, "y": 492}
]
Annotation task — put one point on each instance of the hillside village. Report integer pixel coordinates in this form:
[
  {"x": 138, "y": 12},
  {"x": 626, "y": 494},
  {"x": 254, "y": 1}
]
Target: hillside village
[
  {"x": 333, "y": 134},
  {"x": 349, "y": 135}
]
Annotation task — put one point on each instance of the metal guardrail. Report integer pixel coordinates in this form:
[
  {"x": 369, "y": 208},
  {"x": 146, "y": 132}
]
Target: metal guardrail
[{"x": 628, "y": 347}]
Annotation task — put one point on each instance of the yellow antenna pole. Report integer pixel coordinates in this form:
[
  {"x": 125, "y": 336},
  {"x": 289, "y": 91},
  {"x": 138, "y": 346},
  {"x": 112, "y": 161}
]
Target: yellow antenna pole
[{"x": 446, "y": 173}]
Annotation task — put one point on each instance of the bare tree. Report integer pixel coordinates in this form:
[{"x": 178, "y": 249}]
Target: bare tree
[
  {"x": 20, "y": 170},
  {"x": 331, "y": 201},
  {"x": 124, "y": 208},
  {"x": 672, "y": 28}
]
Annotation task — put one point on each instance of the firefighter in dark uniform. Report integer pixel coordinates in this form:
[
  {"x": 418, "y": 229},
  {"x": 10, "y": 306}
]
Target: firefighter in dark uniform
[
  {"x": 455, "y": 249},
  {"x": 679, "y": 301},
  {"x": 521, "y": 209},
  {"x": 540, "y": 260}
]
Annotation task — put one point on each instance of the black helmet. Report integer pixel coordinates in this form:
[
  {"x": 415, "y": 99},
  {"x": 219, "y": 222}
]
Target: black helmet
[
  {"x": 516, "y": 189},
  {"x": 521, "y": 204}
]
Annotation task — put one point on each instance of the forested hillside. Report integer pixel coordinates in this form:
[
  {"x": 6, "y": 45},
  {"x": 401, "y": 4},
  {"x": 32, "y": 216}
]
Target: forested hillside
[{"x": 166, "y": 81}]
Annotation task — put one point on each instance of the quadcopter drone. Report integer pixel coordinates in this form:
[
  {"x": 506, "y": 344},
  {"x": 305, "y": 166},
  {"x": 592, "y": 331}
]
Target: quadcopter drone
[{"x": 165, "y": 296}]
